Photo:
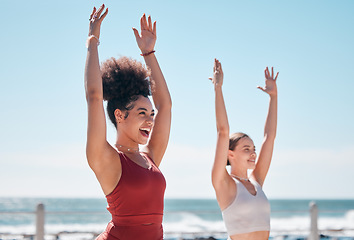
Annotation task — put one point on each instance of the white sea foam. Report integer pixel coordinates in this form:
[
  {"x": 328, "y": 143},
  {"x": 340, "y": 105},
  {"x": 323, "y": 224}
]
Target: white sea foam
[
  {"x": 186, "y": 222},
  {"x": 347, "y": 222},
  {"x": 189, "y": 222}
]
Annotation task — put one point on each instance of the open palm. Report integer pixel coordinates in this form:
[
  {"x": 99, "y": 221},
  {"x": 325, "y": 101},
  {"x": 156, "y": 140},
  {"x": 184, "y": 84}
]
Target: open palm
[
  {"x": 270, "y": 82},
  {"x": 146, "y": 41}
]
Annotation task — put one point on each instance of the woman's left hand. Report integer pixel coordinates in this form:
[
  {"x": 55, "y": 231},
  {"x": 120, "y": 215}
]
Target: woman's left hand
[
  {"x": 218, "y": 77},
  {"x": 146, "y": 41},
  {"x": 270, "y": 82},
  {"x": 96, "y": 19}
]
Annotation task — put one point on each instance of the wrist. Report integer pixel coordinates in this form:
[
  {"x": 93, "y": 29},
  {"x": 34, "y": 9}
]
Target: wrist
[
  {"x": 273, "y": 95},
  {"x": 217, "y": 86},
  {"x": 147, "y": 53},
  {"x": 92, "y": 39}
]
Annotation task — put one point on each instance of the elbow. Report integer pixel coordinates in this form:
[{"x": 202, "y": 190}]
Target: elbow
[
  {"x": 93, "y": 95},
  {"x": 166, "y": 104},
  {"x": 168, "y": 100},
  {"x": 270, "y": 136},
  {"x": 214, "y": 179},
  {"x": 223, "y": 131},
  {"x": 89, "y": 158},
  {"x": 213, "y": 182}
]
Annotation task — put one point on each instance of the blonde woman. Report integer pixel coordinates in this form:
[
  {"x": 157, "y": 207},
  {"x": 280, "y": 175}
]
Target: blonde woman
[{"x": 245, "y": 207}]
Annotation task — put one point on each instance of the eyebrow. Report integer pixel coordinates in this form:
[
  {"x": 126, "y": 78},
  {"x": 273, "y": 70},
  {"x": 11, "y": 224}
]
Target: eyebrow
[
  {"x": 144, "y": 109},
  {"x": 248, "y": 146}
]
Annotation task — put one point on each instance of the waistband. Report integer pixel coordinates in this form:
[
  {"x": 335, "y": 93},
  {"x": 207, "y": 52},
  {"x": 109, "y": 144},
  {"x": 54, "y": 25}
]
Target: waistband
[{"x": 133, "y": 220}]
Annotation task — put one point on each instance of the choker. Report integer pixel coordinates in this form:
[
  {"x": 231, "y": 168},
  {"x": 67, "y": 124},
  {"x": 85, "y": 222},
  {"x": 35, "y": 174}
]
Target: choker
[
  {"x": 240, "y": 178},
  {"x": 128, "y": 149}
]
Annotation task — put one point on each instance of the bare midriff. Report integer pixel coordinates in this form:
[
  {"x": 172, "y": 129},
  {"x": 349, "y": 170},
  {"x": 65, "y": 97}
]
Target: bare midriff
[{"x": 260, "y": 235}]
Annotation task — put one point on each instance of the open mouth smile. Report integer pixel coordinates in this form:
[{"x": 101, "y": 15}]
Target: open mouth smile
[{"x": 145, "y": 131}]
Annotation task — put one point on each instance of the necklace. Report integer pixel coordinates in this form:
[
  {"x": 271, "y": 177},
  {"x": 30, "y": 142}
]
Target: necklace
[
  {"x": 244, "y": 179},
  {"x": 129, "y": 149},
  {"x": 136, "y": 151}
]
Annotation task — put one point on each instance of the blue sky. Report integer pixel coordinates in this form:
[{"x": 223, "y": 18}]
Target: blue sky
[{"x": 43, "y": 108}]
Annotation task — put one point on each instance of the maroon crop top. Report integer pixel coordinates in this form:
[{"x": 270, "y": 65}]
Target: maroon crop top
[{"x": 138, "y": 197}]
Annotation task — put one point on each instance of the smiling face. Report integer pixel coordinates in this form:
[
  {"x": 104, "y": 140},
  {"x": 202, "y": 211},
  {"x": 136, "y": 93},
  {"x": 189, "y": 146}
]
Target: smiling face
[
  {"x": 244, "y": 154},
  {"x": 134, "y": 127}
]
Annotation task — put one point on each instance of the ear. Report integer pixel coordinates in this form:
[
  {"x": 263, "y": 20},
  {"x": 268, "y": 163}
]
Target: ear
[
  {"x": 118, "y": 115},
  {"x": 230, "y": 154}
]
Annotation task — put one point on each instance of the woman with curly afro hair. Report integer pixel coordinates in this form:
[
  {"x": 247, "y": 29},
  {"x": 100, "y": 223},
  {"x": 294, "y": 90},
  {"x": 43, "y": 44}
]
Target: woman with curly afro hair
[{"x": 129, "y": 175}]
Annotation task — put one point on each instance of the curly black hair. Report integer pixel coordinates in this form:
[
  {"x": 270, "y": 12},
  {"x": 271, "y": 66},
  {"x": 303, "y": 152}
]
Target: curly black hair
[{"x": 123, "y": 80}]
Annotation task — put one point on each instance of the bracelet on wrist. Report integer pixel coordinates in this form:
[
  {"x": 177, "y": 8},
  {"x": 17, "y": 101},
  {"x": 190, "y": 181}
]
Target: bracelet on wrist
[
  {"x": 89, "y": 39},
  {"x": 148, "y": 53}
]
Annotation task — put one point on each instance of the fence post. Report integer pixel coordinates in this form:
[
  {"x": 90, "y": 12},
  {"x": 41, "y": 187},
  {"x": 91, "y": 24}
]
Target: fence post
[
  {"x": 40, "y": 222},
  {"x": 314, "y": 216}
]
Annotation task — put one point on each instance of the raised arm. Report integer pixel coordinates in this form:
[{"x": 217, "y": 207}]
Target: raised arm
[
  {"x": 270, "y": 129},
  {"x": 157, "y": 144},
  {"x": 220, "y": 177},
  {"x": 96, "y": 129}
]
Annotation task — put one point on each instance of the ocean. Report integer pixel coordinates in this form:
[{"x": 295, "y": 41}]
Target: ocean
[{"x": 183, "y": 218}]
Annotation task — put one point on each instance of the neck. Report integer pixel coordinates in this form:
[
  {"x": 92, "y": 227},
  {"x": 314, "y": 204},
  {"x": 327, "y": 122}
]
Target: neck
[
  {"x": 240, "y": 174},
  {"x": 123, "y": 143},
  {"x": 240, "y": 178},
  {"x": 127, "y": 148}
]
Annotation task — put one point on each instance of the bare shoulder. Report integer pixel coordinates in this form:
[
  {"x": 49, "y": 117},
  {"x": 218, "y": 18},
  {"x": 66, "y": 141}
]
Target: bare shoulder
[
  {"x": 147, "y": 151},
  {"x": 109, "y": 170},
  {"x": 225, "y": 192}
]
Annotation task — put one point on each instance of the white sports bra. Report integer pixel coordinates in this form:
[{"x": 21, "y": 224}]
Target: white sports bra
[{"x": 247, "y": 213}]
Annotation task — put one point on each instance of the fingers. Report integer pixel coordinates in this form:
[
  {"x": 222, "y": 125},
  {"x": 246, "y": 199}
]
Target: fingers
[
  {"x": 93, "y": 12},
  {"x": 217, "y": 63},
  {"x": 217, "y": 66},
  {"x": 266, "y": 73},
  {"x": 104, "y": 15},
  {"x": 136, "y": 33},
  {"x": 143, "y": 23},
  {"x": 146, "y": 24},
  {"x": 270, "y": 76},
  {"x": 149, "y": 24},
  {"x": 276, "y": 76},
  {"x": 259, "y": 87},
  {"x": 98, "y": 13},
  {"x": 154, "y": 28},
  {"x": 272, "y": 73}
]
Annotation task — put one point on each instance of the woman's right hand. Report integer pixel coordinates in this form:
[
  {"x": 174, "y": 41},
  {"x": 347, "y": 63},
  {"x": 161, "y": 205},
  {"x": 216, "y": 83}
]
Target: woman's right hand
[
  {"x": 270, "y": 82},
  {"x": 218, "y": 76},
  {"x": 146, "y": 41},
  {"x": 96, "y": 20}
]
